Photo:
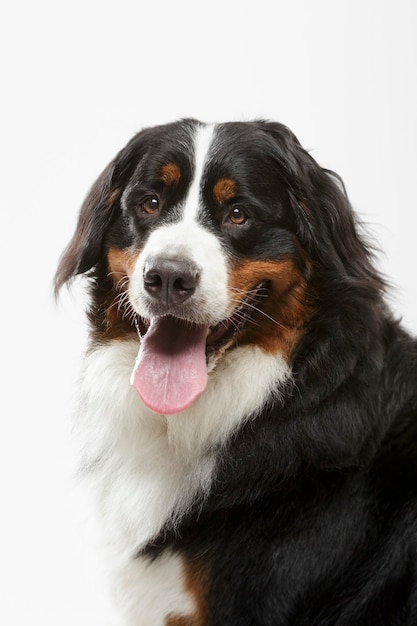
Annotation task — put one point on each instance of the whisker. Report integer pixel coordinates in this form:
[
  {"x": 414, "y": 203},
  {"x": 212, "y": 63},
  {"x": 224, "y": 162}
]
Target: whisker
[
  {"x": 254, "y": 291},
  {"x": 244, "y": 316},
  {"x": 121, "y": 301},
  {"x": 122, "y": 282}
]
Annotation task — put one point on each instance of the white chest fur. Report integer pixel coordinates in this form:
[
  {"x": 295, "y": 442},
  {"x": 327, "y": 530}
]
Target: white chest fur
[
  {"x": 144, "y": 470},
  {"x": 146, "y": 593}
]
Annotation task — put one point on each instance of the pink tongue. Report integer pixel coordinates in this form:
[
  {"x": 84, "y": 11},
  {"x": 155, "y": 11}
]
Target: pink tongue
[{"x": 170, "y": 370}]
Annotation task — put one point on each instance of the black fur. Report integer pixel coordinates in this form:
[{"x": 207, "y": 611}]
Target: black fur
[{"x": 312, "y": 518}]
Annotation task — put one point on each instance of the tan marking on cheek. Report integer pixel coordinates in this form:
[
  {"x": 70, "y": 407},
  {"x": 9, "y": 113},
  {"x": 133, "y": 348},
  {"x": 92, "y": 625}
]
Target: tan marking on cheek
[
  {"x": 285, "y": 311},
  {"x": 121, "y": 263},
  {"x": 170, "y": 174},
  {"x": 196, "y": 583},
  {"x": 225, "y": 189},
  {"x": 117, "y": 311}
]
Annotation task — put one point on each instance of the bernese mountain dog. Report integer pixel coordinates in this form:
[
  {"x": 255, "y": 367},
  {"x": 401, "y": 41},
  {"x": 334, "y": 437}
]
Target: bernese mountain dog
[{"x": 248, "y": 403}]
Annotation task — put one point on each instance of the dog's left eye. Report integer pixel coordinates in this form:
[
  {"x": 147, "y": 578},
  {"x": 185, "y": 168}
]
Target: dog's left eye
[
  {"x": 150, "y": 205},
  {"x": 237, "y": 216}
]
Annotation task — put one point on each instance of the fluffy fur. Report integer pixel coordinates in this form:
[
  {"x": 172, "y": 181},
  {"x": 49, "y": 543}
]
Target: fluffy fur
[{"x": 285, "y": 492}]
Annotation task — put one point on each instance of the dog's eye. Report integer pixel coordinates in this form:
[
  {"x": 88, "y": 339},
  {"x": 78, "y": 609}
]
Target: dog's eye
[
  {"x": 237, "y": 216},
  {"x": 150, "y": 205}
]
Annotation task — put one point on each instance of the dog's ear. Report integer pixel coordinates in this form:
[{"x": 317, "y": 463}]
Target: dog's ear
[
  {"x": 325, "y": 222},
  {"x": 98, "y": 211},
  {"x": 96, "y": 214},
  {"x": 329, "y": 229}
]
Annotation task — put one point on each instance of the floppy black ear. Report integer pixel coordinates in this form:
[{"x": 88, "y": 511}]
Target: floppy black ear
[
  {"x": 96, "y": 214},
  {"x": 98, "y": 211},
  {"x": 327, "y": 226},
  {"x": 330, "y": 230}
]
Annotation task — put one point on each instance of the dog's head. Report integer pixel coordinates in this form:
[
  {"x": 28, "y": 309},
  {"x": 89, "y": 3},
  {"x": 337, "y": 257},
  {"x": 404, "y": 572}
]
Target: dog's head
[{"x": 205, "y": 237}]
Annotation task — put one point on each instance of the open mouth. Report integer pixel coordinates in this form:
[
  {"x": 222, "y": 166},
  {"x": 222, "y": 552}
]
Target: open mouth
[
  {"x": 174, "y": 355},
  {"x": 222, "y": 334}
]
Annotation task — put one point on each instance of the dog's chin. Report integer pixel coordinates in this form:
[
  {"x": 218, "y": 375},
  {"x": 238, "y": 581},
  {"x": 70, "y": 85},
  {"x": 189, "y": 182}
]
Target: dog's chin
[{"x": 222, "y": 335}]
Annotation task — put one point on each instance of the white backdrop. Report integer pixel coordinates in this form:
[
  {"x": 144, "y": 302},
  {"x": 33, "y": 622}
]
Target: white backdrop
[{"x": 77, "y": 80}]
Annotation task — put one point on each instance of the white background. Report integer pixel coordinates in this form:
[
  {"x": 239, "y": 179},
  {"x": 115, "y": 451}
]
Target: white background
[{"x": 77, "y": 80}]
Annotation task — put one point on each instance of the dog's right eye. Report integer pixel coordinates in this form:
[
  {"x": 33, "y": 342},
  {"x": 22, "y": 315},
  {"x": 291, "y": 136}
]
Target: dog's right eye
[{"x": 150, "y": 205}]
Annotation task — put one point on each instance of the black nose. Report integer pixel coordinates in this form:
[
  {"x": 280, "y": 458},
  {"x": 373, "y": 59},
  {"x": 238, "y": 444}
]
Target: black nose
[{"x": 170, "y": 281}]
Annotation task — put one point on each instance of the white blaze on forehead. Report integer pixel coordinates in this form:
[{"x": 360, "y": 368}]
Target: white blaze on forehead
[
  {"x": 203, "y": 140},
  {"x": 190, "y": 240}
]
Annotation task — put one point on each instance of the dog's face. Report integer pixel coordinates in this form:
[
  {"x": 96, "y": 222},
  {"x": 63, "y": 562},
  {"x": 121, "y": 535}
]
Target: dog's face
[
  {"x": 209, "y": 237},
  {"x": 199, "y": 245}
]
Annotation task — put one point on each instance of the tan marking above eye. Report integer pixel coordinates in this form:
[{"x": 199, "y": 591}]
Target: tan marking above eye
[
  {"x": 170, "y": 174},
  {"x": 225, "y": 189}
]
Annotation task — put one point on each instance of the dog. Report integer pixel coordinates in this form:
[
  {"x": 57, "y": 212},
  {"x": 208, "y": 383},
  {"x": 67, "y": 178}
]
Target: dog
[{"x": 248, "y": 403}]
